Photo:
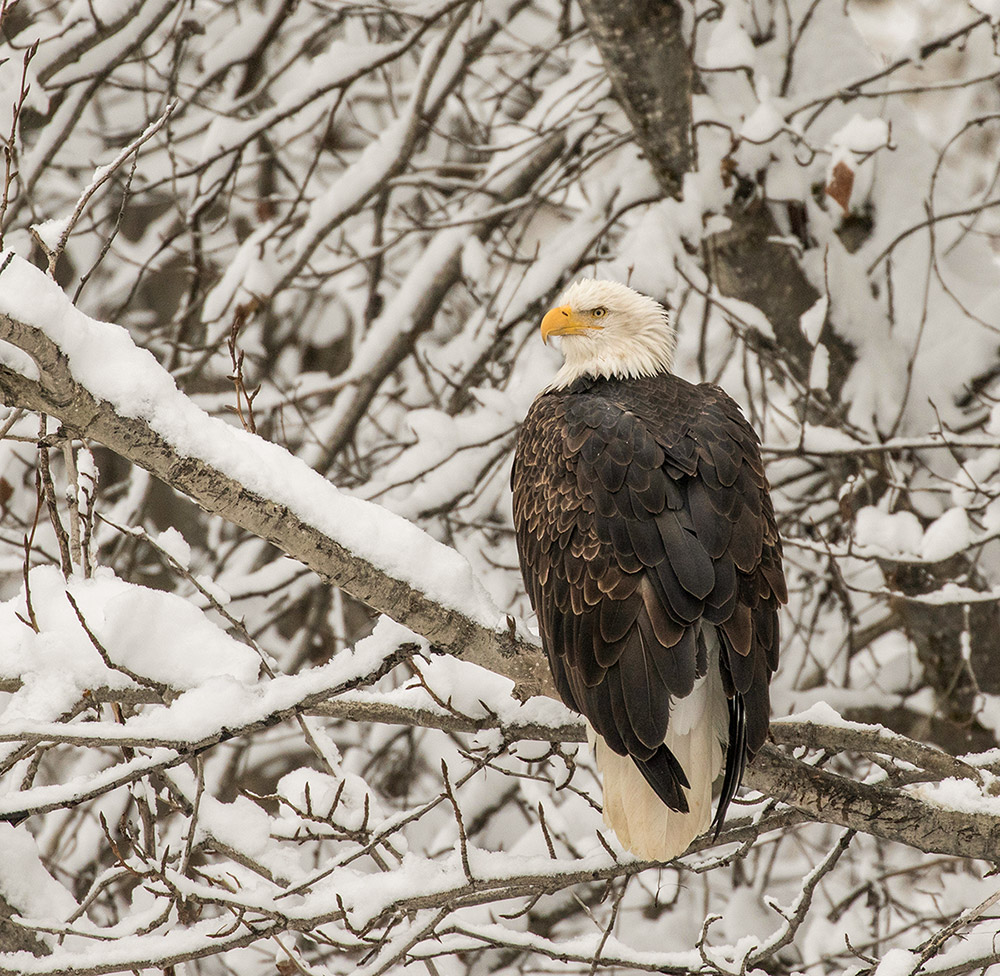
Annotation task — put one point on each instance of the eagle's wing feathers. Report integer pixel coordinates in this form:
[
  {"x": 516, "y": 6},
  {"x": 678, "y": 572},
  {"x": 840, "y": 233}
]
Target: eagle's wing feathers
[{"x": 641, "y": 510}]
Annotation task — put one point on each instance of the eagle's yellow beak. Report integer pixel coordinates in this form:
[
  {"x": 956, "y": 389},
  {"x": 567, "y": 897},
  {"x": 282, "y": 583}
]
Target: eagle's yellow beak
[{"x": 564, "y": 321}]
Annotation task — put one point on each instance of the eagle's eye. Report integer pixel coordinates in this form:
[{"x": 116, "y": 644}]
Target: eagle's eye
[{"x": 599, "y": 313}]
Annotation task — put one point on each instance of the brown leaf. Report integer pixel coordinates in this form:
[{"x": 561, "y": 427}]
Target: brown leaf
[
  {"x": 727, "y": 168},
  {"x": 840, "y": 185}
]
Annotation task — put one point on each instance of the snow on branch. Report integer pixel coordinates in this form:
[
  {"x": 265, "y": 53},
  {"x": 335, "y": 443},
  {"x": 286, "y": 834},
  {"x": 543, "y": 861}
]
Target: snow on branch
[
  {"x": 375, "y": 203},
  {"x": 91, "y": 376}
]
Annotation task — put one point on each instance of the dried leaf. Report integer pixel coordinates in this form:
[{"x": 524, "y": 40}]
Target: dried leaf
[
  {"x": 840, "y": 185},
  {"x": 727, "y": 169}
]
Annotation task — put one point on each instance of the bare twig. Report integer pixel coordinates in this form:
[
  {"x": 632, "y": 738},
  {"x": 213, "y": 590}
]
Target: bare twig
[
  {"x": 10, "y": 148},
  {"x": 101, "y": 175}
]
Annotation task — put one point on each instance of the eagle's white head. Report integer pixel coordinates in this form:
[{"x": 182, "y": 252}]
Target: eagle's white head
[{"x": 608, "y": 331}]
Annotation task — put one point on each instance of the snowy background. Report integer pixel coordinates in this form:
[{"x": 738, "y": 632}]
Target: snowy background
[{"x": 281, "y": 247}]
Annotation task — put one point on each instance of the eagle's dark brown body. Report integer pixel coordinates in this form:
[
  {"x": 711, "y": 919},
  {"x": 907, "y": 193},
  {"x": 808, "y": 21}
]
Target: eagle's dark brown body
[{"x": 649, "y": 549}]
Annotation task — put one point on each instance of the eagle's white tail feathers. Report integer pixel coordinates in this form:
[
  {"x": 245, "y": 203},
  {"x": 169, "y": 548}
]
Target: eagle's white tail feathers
[{"x": 699, "y": 728}]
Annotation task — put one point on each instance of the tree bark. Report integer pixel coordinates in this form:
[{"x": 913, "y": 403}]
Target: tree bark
[
  {"x": 891, "y": 814},
  {"x": 59, "y": 395},
  {"x": 15, "y": 938},
  {"x": 646, "y": 56},
  {"x": 643, "y": 48}
]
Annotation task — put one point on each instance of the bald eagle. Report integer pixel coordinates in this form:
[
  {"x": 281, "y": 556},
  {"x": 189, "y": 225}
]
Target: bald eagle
[{"x": 649, "y": 551}]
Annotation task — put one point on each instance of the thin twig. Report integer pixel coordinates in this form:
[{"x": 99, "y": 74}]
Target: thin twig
[
  {"x": 158, "y": 686},
  {"x": 101, "y": 175},
  {"x": 10, "y": 149},
  {"x": 49, "y": 493}
]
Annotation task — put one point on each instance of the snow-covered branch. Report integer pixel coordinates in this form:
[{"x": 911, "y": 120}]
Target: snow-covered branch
[
  {"x": 356, "y": 214},
  {"x": 101, "y": 387}
]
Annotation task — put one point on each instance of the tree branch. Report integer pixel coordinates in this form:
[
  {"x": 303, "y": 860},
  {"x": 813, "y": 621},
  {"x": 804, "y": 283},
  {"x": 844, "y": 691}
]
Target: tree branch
[
  {"x": 647, "y": 61},
  {"x": 646, "y": 57},
  {"x": 826, "y": 797},
  {"x": 136, "y": 439},
  {"x": 891, "y": 814}
]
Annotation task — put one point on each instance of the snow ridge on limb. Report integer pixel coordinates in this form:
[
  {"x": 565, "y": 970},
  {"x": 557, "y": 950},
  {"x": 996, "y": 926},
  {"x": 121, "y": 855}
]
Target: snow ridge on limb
[{"x": 93, "y": 378}]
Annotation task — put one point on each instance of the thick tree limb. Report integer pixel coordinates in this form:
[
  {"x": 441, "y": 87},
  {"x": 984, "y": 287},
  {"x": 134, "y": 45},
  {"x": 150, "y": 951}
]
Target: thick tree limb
[
  {"x": 891, "y": 814},
  {"x": 646, "y": 57},
  {"x": 58, "y": 394},
  {"x": 16, "y": 938}
]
